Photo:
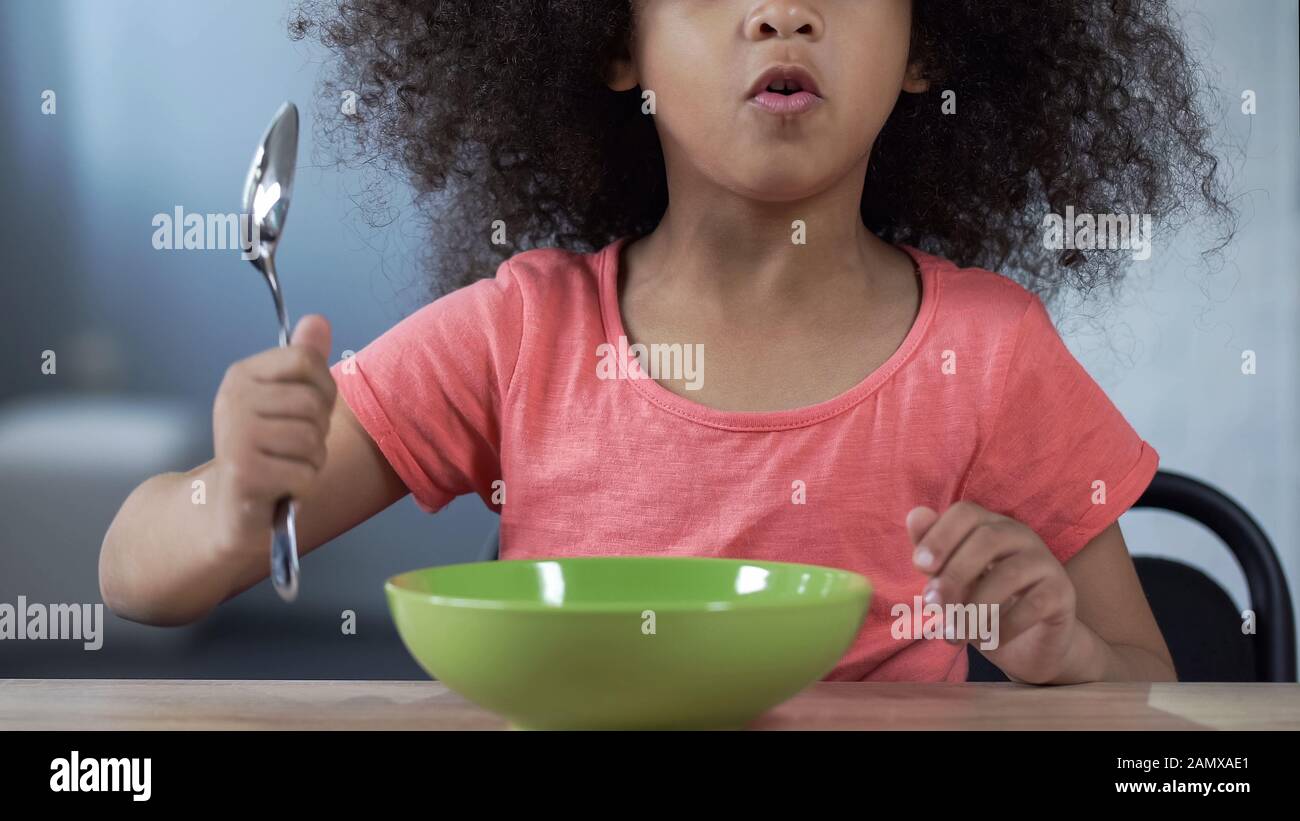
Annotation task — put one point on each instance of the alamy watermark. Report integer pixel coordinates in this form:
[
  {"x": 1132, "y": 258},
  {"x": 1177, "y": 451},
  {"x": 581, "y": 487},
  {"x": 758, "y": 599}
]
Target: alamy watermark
[
  {"x": 77, "y": 774},
  {"x": 1090, "y": 232},
  {"x": 657, "y": 360},
  {"x": 946, "y": 621},
  {"x": 58, "y": 622},
  {"x": 207, "y": 232}
]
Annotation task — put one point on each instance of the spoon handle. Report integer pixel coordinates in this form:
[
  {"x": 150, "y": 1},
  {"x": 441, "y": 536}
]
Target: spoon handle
[
  {"x": 273, "y": 282},
  {"x": 284, "y": 540},
  {"x": 284, "y": 551}
]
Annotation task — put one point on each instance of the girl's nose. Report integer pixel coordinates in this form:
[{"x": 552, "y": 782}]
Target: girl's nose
[{"x": 783, "y": 20}]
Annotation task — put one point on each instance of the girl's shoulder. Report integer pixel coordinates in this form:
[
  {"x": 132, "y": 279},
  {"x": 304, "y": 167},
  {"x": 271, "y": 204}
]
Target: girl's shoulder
[
  {"x": 974, "y": 303},
  {"x": 553, "y": 273}
]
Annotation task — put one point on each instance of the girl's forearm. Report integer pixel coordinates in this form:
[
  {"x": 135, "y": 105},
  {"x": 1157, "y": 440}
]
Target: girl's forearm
[
  {"x": 165, "y": 559},
  {"x": 1095, "y": 659}
]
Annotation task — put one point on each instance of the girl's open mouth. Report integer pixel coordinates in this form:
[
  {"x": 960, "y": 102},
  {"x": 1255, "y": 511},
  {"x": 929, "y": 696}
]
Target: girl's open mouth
[{"x": 785, "y": 90}]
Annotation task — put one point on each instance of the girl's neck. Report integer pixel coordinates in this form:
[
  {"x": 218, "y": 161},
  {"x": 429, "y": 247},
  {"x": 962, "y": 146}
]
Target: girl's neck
[
  {"x": 718, "y": 246},
  {"x": 785, "y": 325}
]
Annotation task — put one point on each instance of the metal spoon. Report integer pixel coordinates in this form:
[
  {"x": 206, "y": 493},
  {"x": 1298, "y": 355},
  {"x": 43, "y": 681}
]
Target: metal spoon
[{"x": 266, "y": 202}]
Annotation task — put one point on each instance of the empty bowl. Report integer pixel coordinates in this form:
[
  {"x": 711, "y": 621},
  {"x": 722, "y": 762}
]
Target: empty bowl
[{"x": 628, "y": 642}]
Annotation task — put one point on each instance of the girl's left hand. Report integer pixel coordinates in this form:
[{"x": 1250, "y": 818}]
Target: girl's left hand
[{"x": 978, "y": 557}]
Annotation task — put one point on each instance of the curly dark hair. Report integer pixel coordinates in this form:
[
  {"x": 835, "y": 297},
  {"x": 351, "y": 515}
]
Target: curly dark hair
[{"x": 499, "y": 111}]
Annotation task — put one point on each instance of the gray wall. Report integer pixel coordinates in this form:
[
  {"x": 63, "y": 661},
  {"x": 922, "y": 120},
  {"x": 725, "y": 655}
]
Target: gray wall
[
  {"x": 1175, "y": 368},
  {"x": 159, "y": 104}
]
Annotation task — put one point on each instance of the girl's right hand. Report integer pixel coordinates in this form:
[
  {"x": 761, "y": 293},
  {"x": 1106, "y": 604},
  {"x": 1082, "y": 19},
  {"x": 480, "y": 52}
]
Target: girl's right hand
[{"x": 269, "y": 423}]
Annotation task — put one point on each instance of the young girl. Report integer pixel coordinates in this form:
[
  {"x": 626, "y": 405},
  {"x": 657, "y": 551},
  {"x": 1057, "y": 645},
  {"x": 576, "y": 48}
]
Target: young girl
[{"x": 752, "y": 182}]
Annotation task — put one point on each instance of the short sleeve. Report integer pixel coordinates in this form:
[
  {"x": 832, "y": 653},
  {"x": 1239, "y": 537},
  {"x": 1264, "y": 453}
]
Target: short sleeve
[
  {"x": 430, "y": 390},
  {"x": 1060, "y": 457}
]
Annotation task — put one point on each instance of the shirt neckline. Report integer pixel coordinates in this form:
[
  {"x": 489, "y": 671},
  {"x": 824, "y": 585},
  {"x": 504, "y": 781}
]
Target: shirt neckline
[{"x": 612, "y": 322}]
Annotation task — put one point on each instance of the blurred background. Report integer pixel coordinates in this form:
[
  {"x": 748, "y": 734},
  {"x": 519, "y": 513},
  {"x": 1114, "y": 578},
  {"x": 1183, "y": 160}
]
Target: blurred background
[{"x": 159, "y": 105}]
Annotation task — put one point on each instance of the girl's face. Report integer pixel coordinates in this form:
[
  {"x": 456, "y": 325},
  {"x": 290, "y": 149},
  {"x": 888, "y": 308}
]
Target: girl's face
[{"x": 706, "y": 59}]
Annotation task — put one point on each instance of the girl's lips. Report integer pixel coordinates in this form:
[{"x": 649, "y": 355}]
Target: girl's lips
[{"x": 786, "y": 104}]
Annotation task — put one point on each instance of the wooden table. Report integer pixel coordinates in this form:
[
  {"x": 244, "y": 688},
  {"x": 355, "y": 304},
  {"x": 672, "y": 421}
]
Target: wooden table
[{"x": 92, "y": 704}]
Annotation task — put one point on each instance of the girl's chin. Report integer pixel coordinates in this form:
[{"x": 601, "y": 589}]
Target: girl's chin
[{"x": 780, "y": 188}]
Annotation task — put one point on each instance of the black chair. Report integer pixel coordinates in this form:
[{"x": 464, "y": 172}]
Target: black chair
[{"x": 1200, "y": 623}]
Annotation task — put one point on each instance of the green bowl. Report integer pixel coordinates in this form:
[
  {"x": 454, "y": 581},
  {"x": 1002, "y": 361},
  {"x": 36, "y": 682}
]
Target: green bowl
[{"x": 628, "y": 642}]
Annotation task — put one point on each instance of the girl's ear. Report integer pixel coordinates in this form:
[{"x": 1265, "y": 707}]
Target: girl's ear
[
  {"x": 915, "y": 81},
  {"x": 620, "y": 74}
]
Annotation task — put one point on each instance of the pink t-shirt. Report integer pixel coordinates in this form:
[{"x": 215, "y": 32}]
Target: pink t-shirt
[{"x": 982, "y": 401}]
